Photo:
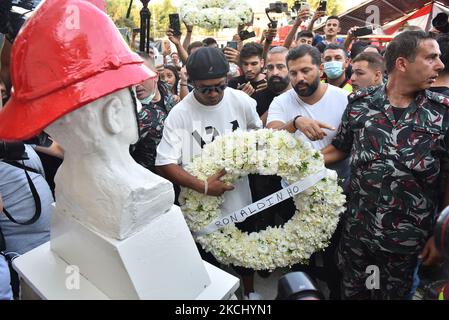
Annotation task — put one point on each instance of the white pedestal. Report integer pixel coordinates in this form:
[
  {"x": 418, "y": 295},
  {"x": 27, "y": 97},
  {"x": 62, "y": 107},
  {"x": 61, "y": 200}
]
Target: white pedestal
[
  {"x": 45, "y": 273},
  {"x": 160, "y": 262}
]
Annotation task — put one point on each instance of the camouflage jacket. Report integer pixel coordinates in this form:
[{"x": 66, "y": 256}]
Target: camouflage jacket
[
  {"x": 151, "y": 120},
  {"x": 395, "y": 167}
]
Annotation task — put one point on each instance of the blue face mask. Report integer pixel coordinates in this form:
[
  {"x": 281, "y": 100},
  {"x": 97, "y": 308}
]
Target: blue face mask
[
  {"x": 333, "y": 69},
  {"x": 148, "y": 99}
]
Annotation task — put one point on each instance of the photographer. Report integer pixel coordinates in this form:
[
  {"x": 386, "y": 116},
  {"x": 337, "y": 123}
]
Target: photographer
[
  {"x": 331, "y": 30},
  {"x": 22, "y": 203},
  {"x": 19, "y": 201},
  {"x": 302, "y": 16},
  {"x": 253, "y": 81}
]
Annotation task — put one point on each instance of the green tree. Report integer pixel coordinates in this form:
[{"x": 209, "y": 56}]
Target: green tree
[
  {"x": 117, "y": 10},
  {"x": 159, "y": 17}
]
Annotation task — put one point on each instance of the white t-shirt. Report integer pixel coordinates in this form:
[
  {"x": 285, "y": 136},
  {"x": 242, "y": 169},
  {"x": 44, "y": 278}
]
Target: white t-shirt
[
  {"x": 328, "y": 110},
  {"x": 190, "y": 125}
]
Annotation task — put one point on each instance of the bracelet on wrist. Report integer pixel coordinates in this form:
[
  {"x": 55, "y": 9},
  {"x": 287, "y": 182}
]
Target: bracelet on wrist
[
  {"x": 206, "y": 187},
  {"x": 294, "y": 121}
]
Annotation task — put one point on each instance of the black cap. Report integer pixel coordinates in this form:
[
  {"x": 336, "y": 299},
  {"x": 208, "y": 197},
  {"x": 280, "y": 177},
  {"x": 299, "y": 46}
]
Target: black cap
[
  {"x": 207, "y": 63},
  {"x": 440, "y": 22}
]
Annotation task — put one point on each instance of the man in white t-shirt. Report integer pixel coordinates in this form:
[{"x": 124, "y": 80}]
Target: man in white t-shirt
[
  {"x": 313, "y": 111},
  {"x": 210, "y": 110}
]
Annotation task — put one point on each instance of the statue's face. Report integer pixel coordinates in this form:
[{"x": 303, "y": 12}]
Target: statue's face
[{"x": 103, "y": 125}]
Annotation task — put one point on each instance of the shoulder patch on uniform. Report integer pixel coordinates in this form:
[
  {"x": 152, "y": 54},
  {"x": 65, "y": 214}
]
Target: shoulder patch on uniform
[
  {"x": 437, "y": 97},
  {"x": 361, "y": 93}
]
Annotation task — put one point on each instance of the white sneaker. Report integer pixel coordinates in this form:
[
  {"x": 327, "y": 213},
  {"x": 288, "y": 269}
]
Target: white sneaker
[{"x": 253, "y": 296}]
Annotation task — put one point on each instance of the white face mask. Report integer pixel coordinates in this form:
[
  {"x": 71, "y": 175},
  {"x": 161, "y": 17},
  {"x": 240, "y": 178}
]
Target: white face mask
[
  {"x": 333, "y": 69},
  {"x": 148, "y": 99}
]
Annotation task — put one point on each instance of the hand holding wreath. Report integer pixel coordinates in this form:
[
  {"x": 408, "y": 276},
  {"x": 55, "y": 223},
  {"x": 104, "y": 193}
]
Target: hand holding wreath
[{"x": 265, "y": 152}]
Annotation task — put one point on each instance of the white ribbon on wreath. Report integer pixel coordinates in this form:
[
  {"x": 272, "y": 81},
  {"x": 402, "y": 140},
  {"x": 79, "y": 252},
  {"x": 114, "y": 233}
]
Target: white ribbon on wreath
[{"x": 265, "y": 152}]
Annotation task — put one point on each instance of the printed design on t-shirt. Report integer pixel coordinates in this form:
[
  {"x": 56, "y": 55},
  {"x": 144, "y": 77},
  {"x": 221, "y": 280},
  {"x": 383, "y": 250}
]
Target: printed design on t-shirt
[{"x": 212, "y": 131}]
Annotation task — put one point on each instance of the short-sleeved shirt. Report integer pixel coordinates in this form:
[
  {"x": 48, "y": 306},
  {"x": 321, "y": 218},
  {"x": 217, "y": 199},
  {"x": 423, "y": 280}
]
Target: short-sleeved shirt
[
  {"x": 395, "y": 167},
  {"x": 191, "y": 125},
  {"x": 328, "y": 110}
]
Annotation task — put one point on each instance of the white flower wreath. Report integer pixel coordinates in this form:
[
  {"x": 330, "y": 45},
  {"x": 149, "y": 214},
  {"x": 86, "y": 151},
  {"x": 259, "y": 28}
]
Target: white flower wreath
[
  {"x": 215, "y": 14},
  {"x": 265, "y": 152}
]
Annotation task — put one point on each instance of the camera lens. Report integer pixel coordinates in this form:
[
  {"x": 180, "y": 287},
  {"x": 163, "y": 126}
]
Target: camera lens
[{"x": 297, "y": 286}]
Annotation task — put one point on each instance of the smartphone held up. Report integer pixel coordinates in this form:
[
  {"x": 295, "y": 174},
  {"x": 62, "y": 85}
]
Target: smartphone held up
[{"x": 175, "y": 24}]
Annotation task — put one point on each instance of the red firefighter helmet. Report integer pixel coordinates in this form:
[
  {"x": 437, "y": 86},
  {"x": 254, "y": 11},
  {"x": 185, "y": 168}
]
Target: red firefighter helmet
[{"x": 68, "y": 54}]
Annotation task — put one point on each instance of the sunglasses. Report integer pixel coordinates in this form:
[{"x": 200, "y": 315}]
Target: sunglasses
[{"x": 206, "y": 90}]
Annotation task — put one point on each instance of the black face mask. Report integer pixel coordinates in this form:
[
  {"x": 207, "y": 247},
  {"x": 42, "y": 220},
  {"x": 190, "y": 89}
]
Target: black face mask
[
  {"x": 279, "y": 85},
  {"x": 311, "y": 88}
]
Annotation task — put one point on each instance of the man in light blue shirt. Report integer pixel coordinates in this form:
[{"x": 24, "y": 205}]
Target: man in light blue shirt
[{"x": 5, "y": 278}]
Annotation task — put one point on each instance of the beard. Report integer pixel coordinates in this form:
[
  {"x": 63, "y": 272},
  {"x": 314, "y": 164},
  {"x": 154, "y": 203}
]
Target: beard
[
  {"x": 278, "y": 84},
  {"x": 309, "y": 88}
]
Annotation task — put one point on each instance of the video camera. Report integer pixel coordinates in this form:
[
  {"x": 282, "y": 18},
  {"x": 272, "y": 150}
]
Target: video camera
[
  {"x": 15, "y": 151},
  {"x": 300, "y": 5},
  {"x": 12, "y": 151},
  {"x": 245, "y": 34},
  {"x": 297, "y": 286},
  {"x": 10, "y": 20},
  {"x": 276, "y": 7}
]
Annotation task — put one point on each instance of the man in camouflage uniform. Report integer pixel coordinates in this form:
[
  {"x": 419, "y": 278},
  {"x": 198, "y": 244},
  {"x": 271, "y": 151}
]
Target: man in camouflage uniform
[{"x": 397, "y": 135}]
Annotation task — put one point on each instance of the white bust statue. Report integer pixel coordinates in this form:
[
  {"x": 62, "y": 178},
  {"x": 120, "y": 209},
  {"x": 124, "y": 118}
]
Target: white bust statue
[{"x": 99, "y": 183}]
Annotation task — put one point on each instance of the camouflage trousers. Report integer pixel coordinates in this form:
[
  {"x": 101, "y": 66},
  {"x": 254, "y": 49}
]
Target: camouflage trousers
[{"x": 373, "y": 274}]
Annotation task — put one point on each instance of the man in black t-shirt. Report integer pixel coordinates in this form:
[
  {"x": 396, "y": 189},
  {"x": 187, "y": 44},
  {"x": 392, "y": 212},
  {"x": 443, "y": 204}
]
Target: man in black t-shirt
[{"x": 253, "y": 80}]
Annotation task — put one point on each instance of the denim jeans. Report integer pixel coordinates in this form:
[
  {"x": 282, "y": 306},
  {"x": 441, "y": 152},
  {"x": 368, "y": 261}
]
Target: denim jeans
[{"x": 416, "y": 281}]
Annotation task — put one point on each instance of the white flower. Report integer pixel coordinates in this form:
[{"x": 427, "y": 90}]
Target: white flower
[
  {"x": 265, "y": 152},
  {"x": 216, "y": 13},
  {"x": 262, "y": 248}
]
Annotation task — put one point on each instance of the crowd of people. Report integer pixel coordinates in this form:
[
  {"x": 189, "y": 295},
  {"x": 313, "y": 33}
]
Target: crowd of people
[{"x": 380, "y": 117}]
